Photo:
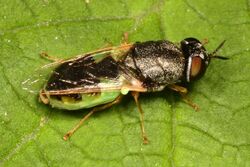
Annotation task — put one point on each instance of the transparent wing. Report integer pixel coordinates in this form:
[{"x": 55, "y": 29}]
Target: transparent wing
[
  {"x": 38, "y": 79},
  {"x": 92, "y": 72},
  {"x": 124, "y": 85}
]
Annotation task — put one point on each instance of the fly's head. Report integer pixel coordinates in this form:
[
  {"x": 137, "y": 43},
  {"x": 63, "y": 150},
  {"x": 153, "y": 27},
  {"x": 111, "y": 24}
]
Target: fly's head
[{"x": 197, "y": 58}]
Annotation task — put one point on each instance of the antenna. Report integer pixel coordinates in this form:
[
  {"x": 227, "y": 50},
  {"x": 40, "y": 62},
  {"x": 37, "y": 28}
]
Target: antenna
[{"x": 213, "y": 54}]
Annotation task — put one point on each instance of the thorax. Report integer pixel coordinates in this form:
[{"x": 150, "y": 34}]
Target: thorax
[{"x": 156, "y": 63}]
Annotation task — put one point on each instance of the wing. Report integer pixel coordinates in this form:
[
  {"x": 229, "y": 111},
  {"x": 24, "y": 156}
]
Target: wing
[{"x": 89, "y": 73}]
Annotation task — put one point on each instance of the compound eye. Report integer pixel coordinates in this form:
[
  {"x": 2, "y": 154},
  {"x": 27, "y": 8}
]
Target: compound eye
[{"x": 196, "y": 66}]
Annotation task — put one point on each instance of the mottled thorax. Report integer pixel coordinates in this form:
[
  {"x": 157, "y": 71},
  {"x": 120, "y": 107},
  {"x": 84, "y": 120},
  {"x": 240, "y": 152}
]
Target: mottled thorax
[{"x": 156, "y": 63}]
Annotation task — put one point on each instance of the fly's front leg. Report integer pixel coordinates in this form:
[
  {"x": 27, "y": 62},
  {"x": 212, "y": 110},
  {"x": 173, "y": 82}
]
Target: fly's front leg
[
  {"x": 51, "y": 58},
  {"x": 144, "y": 136},
  {"x": 183, "y": 92},
  {"x": 95, "y": 109}
]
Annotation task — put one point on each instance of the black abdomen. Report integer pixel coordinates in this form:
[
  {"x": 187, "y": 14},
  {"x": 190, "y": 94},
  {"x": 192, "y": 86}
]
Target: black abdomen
[{"x": 83, "y": 72}]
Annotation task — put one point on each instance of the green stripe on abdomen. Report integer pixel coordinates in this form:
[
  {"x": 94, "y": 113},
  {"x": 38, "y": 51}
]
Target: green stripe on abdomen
[{"x": 87, "y": 101}]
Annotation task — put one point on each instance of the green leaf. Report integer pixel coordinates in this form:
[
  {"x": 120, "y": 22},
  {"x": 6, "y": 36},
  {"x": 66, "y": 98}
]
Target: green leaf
[{"x": 218, "y": 135}]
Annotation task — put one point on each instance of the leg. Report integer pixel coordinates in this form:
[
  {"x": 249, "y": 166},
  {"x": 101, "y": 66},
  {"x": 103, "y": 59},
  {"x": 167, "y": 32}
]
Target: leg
[
  {"x": 204, "y": 41},
  {"x": 144, "y": 136},
  {"x": 179, "y": 89},
  {"x": 183, "y": 91},
  {"x": 189, "y": 102},
  {"x": 46, "y": 56},
  {"x": 43, "y": 98},
  {"x": 95, "y": 109},
  {"x": 125, "y": 38}
]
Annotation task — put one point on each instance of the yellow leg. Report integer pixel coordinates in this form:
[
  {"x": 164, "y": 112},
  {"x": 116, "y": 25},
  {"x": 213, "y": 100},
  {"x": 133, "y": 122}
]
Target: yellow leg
[
  {"x": 204, "y": 41},
  {"x": 144, "y": 136},
  {"x": 43, "y": 98},
  {"x": 189, "y": 102},
  {"x": 46, "y": 56},
  {"x": 125, "y": 38},
  {"x": 178, "y": 88},
  {"x": 183, "y": 92},
  {"x": 95, "y": 109}
]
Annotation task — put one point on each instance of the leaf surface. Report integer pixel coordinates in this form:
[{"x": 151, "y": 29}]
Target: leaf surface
[{"x": 218, "y": 135}]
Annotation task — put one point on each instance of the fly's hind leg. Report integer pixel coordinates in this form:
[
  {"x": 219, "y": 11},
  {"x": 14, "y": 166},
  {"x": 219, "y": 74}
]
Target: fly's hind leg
[
  {"x": 144, "y": 136},
  {"x": 183, "y": 92},
  {"x": 43, "y": 98},
  {"x": 51, "y": 58},
  {"x": 125, "y": 38},
  {"x": 204, "y": 41},
  {"x": 95, "y": 109}
]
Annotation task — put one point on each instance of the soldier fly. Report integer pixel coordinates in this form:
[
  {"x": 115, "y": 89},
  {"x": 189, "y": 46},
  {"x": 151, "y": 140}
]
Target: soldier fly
[{"x": 99, "y": 79}]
